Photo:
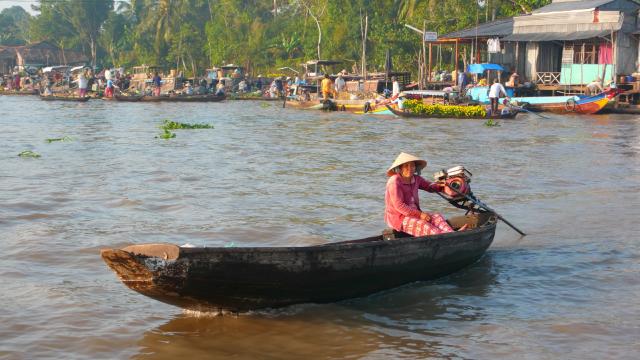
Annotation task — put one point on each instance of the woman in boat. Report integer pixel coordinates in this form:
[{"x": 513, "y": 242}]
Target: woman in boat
[{"x": 402, "y": 206}]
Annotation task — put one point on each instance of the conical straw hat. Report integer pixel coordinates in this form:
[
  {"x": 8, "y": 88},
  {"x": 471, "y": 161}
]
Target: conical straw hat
[{"x": 404, "y": 158}]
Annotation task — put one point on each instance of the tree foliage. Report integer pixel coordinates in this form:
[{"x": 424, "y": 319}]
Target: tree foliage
[
  {"x": 14, "y": 22},
  {"x": 259, "y": 34}
]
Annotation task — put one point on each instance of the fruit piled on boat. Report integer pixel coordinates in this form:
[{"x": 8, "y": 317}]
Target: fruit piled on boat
[{"x": 457, "y": 111}]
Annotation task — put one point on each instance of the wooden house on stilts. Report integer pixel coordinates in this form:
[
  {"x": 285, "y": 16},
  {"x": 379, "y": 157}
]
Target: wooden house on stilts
[{"x": 563, "y": 46}]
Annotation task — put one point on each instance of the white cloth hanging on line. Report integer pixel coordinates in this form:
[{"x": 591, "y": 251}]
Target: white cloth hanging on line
[{"x": 493, "y": 45}]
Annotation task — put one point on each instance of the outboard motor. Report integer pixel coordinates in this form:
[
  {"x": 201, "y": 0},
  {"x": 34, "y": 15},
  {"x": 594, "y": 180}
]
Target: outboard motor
[
  {"x": 456, "y": 181},
  {"x": 458, "y": 193}
]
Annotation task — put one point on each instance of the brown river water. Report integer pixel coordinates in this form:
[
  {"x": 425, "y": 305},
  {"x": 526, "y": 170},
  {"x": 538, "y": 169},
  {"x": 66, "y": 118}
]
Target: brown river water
[{"x": 268, "y": 176}]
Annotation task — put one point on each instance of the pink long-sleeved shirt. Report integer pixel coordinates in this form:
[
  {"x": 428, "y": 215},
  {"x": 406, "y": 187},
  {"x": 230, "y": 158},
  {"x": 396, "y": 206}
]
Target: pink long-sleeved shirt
[{"x": 401, "y": 199}]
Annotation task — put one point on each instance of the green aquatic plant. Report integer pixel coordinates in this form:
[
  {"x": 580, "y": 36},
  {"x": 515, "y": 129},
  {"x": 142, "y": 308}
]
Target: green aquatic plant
[
  {"x": 66, "y": 138},
  {"x": 173, "y": 125},
  {"x": 264, "y": 105},
  {"x": 491, "y": 123},
  {"x": 166, "y": 134},
  {"x": 29, "y": 153}
]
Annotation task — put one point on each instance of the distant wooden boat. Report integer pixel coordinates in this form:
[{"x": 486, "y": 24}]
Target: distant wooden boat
[
  {"x": 254, "y": 98},
  {"x": 241, "y": 279},
  {"x": 128, "y": 98},
  {"x": 64, "y": 98},
  {"x": 19, "y": 93},
  {"x": 353, "y": 106},
  {"x": 183, "y": 98},
  {"x": 408, "y": 114},
  {"x": 579, "y": 104}
]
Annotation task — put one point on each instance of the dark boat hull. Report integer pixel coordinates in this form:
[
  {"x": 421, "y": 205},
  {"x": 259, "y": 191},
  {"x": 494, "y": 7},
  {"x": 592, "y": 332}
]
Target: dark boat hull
[
  {"x": 511, "y": 115},
  {"x": 19, "y": 93},
  {"x": 240, "y": 279},
  {"x": 64, "y": 98},
  {"x": 132, "y": 98},
  {"x": 183, "y": 98},
  {"x": 254, "y": 98}
]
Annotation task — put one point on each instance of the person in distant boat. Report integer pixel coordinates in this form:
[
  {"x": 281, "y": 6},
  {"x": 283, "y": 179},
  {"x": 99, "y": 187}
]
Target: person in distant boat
[
  {"x": 280, "y": 81},
  {"x": 463, "y": 80},
  {"x": 47, "y": 91},
  {"x": 327, "y": 87},
  {"x": 340, "y": 83},
  {"x": 83, "y": 84},
  {"x": 220, "y": 89},
  {"x": 157, "y": 83},
  {"x": 109, "y": 90},
  {"x": 242, "y": 86},
  {"x": 16, "y": 81},
  {"x": 273, "y": 89},
  {"x": 594, "y": 87},
  {"x": 188, "y": 89},
  {"x": 395, "y": 90},
  {"x": 513, "y": 80},
  {"x": 402, "y": 206},
  {"x": 495, "y": 91},
  {"x": 400, "y": 101}
]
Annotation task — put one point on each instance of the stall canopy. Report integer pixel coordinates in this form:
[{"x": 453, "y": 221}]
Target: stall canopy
[{"x": 480, "y": 68}]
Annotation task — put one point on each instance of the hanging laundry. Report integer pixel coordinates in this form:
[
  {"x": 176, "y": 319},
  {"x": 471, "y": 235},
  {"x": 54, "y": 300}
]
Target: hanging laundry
[{"x": 493, "y": 45}]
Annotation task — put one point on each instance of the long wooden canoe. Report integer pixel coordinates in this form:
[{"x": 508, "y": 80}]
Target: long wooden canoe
[
  {"x": 19, "y": 93},
  {"x": 401, "y": 113},
  {"x": 183, "y": 98},
  {"x": 240, "y": 279},
  {"x": 128, "y": 98},
  {"x": 580, "y": 104},
  {"x": 64, "y": 98}
]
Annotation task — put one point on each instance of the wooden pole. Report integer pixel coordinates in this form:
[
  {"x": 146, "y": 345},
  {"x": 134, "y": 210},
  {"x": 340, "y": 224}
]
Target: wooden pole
[
  {"x": 456, "y": 64},
  {"x": 429, "y": 74},
  {"x": 420, "y": 70},
  {"x": 364, "y": 49},
  {"x": 423, "y": 81},
  {"x": 517, "y": 52}
]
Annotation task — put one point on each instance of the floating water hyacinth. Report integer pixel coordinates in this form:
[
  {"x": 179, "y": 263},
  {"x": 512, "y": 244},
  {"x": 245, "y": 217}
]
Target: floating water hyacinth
[
  {"x": 29, "y": 153},
  {"x": 66, "y": 138},
  {"x": 173, "y": 125},
  {"x": 491, "y": 123},
  {"x": 166, "y": 134}
]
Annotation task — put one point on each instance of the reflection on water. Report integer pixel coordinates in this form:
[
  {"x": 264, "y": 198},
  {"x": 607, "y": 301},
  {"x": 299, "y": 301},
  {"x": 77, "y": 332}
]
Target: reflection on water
[
  {"x": 407, "y": 322},
  {"x": 268, "y": 176}
]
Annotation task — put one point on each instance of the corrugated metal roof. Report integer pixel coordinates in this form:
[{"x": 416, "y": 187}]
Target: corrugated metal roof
[
  {"x": 571, "y": 5},
  {"x": 494, "y": 28},
  {"x": 553, "y": 36}
]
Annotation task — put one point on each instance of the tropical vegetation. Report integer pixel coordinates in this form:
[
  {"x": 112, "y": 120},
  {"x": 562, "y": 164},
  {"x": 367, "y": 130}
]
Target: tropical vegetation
[{"x": 262, "y": 35}]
